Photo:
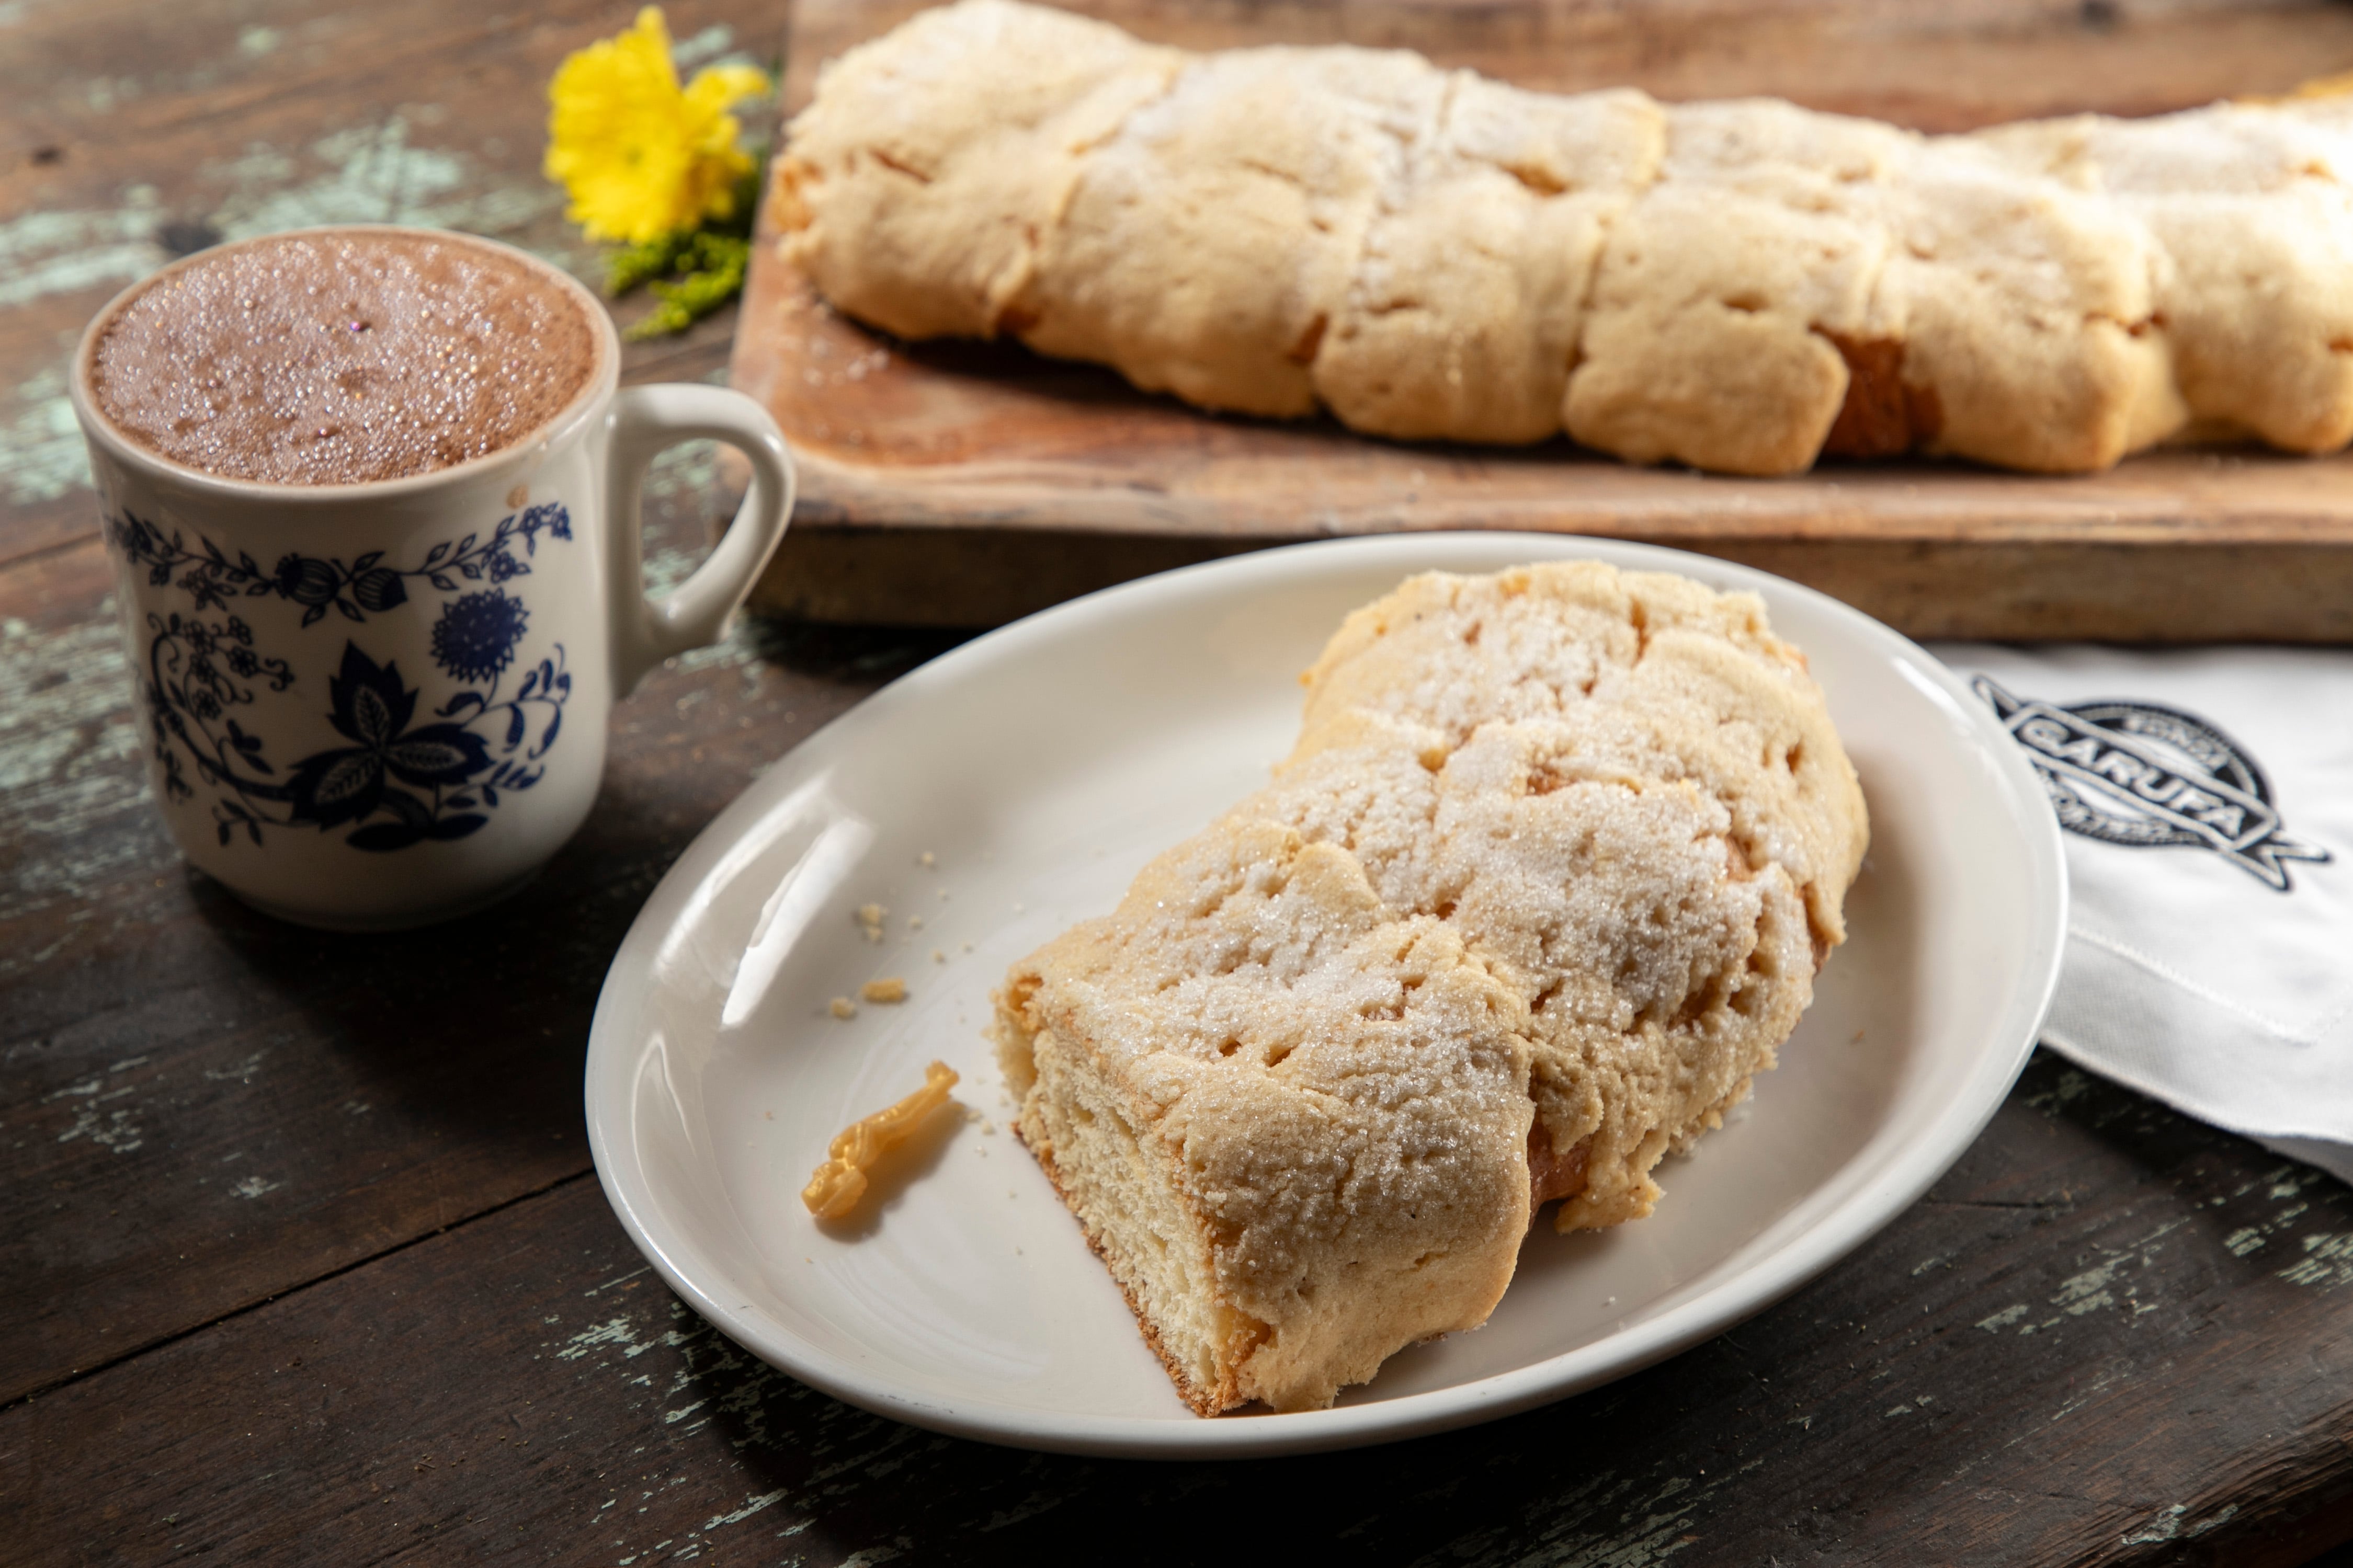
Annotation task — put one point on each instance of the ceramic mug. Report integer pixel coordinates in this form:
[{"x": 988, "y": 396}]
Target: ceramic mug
[{"x": 378, "y": 705}]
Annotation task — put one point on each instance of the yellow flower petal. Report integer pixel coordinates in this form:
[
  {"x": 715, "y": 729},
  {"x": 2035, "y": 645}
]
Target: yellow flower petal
[
  {"x": 719, "y": 85},
  {"x": 640, "y": 157}
]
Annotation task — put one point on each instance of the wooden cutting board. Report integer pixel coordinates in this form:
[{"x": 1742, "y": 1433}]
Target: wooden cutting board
[{"x": 965, "y": 484}]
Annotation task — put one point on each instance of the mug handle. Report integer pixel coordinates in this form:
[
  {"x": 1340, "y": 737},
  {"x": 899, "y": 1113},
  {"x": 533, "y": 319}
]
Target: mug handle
[{"x": 641, "y": 422}]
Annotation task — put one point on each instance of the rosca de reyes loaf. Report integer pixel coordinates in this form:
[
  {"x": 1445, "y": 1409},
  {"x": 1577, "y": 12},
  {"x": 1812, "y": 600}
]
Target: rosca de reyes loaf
[{"x": 1738, "y": 286}]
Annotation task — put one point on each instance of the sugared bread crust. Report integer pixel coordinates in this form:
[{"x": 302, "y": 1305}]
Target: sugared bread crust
[
  {"x": 1738, "y": 286},
  {"x": 1544, "y": 884},
  {"x": 1643, "y": 819}
]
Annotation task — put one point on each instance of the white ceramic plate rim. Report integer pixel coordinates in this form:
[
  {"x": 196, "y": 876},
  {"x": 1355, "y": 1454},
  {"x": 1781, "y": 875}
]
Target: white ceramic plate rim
[{"x": 614, "y": 1036}]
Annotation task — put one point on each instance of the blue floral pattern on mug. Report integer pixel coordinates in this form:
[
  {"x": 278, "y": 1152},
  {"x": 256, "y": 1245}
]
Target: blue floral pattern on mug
[
  {"x": 398, "y": 782},
  {"x": 475, "y": 637},
  {"x": 356, "y": 590}
]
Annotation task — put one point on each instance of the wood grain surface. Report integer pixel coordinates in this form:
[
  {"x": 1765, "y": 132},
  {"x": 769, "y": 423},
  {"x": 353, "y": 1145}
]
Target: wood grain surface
[
  {"x": 302, "y": 1259},
  {"x": 964, "y": 484}
]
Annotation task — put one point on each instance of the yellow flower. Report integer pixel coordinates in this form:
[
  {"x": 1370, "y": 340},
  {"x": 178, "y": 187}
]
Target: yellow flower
[{"x": 640, "y": 158}]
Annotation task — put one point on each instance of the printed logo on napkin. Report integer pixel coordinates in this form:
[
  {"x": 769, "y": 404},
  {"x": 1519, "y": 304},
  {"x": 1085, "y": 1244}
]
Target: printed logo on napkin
[{"x": 2148, "y": 776}]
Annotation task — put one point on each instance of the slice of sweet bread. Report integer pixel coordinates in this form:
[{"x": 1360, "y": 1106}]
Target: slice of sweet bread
[
  {"x": 1293, "y": 1125},
  {"x": 1543, "y": 886}
]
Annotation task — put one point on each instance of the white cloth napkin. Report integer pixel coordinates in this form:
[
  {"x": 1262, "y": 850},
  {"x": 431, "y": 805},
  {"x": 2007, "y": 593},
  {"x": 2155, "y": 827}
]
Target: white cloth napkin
[{"x": 2207, "y": 797}]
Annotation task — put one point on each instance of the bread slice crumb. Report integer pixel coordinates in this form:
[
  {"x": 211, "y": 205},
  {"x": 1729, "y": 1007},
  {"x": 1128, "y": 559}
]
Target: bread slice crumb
[
  {"x": 842, "y": 1007},
  {"x": 888, "y": 989}
]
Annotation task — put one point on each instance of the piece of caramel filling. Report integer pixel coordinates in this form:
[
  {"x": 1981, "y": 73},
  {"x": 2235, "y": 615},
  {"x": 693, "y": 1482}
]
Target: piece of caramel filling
[
  {"x": 1884, "y": 415},
  {"x": 836, "y": 1187}
]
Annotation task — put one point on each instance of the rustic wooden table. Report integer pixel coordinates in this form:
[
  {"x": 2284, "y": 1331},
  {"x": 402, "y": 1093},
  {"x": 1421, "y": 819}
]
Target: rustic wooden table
[{"x": 301, "y": 1259}]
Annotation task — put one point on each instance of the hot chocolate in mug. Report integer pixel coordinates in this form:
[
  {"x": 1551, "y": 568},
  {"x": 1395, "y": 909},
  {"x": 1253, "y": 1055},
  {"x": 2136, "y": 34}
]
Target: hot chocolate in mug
[{"x": 375, "y": 705}]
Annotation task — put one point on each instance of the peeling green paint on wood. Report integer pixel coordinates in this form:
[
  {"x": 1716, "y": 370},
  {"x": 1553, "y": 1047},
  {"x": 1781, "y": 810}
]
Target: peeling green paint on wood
[{"x": 69, "y": 767}]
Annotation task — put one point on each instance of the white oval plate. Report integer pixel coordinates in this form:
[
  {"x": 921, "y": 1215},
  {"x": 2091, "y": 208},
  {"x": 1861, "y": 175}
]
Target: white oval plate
[{"x": 1039, "y": 767}]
